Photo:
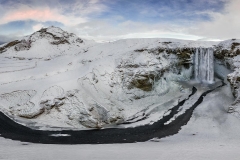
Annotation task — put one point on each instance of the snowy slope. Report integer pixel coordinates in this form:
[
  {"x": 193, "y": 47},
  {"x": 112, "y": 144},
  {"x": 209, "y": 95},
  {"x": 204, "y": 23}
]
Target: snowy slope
[
  {"x": 210, "y": 134},
  {"x": 56, "y": 79},
  {"x": 45, "y": 43}
]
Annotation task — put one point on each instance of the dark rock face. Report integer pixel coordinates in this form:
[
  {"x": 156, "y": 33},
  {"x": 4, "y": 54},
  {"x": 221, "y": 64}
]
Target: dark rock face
[
  {"x": 234, "y": 83},
  {"x": 43, "y": 32},
  {"x": 18, "y": 45},
  {"x": 182, "y": 53},
  {"x": 230, "y": 51},
  {"x": 10, "y": 44},
  {"x": 223, "y": 53},
  {"x": 144, "y": 82},
  {"x": 58, "y": 40},
  {"x": 23, "y": 45},
  {"x": 227, "y": 52},
  {"x": 234, "y": 45},
  {"x": 61, "y": 41},
  {"x": 79, "y": 40}
]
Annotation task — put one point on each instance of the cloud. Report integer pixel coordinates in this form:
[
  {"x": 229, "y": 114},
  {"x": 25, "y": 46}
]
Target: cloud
[
  {"x": 175, "y": 11},
  {"x": 37, "y": 27},
  {"x": 22, "y": 17},
  {"x": 110, "y": 20},
  {"x": 40, "y": 14},
  {"x": 5, "y": 39},
  {"x": 104, "y": 30},
  {"x": 223, "y": 25},
  {"x": 18, "y": 29},
  {"x": 70, "y": 13},
  {"x": 150, "y": 19}
]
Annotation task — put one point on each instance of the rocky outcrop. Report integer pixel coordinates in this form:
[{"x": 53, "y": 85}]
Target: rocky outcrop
[
  {"x": 228, "y": 52},
  {"x": 18, "y": 45},
  {"x": 234, "y": 80},
  {"x": 52, "y": 97},
  {"x": 54, "y": 35},
  {"x": 182, "y": 53},
  {"x": 57, "y": 35},
  {"x": 9, "y": 45},
  {"x": 19, "y": 103},
  {"x": 227, "y": 49},
  {"x": 23, "y": 45},
  {"x": 145, "y": 80},
  {"x": 29, "y": 110}
]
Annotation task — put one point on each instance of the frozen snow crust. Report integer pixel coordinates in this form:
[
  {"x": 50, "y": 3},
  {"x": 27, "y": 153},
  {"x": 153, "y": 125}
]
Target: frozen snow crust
[{"x": 55, "y": 80}]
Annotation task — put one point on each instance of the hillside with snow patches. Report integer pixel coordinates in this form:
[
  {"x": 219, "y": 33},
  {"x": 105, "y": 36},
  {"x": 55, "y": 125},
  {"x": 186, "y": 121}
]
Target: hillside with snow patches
[{"x": 52, "y": 78}]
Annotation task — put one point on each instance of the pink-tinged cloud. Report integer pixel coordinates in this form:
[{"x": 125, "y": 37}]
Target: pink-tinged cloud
[{"x": 42, "y": 15}]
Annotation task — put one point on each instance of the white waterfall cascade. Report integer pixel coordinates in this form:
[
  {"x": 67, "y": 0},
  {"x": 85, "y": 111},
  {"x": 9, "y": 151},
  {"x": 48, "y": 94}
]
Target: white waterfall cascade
[{"x": 204, "y": 65}]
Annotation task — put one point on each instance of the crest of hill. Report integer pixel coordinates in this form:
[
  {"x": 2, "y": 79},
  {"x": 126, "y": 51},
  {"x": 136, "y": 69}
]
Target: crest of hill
[{"x": 47, "y": 42}]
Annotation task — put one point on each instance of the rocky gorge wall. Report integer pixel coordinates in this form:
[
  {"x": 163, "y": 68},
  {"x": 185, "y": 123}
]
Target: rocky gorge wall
[{"x": 228, "y": 53}]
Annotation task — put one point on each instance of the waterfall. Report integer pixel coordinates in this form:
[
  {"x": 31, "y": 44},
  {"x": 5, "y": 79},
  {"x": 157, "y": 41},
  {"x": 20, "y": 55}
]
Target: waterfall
[{"x": 203, "y": 65}]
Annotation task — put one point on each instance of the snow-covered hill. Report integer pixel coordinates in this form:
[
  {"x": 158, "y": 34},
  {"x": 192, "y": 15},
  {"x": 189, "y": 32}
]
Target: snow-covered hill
[
  {"x": 54, "y": 78},
  {"x": 45, "y": 43}
]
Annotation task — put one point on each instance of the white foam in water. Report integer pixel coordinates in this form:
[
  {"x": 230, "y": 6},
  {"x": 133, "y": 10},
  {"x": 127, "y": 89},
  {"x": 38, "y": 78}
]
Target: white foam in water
[
  {"x": 204, "y": 65},
  {"x": 60, "y": 135}
]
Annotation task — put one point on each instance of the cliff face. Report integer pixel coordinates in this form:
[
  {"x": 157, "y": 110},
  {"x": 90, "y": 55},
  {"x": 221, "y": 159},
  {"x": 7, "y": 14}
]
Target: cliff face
[{"x": 229, "y": 53}]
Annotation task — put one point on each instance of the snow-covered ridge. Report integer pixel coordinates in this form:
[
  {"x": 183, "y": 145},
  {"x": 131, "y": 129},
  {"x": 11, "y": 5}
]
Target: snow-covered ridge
[
  {"x": 230, "y": 44},
  {"x": 46, "y": 42}
]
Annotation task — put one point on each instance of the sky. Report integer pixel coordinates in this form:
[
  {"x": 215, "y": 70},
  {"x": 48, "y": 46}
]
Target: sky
[{"x": 108, "y": 20}]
